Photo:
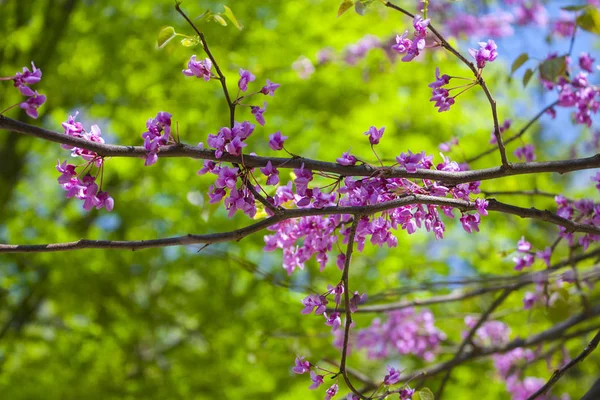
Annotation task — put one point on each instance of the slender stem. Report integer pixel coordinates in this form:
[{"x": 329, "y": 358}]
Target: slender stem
[
  {"x": 444, "y": 43},
  {"x": 517, "y": 135},
  {"x": 220, "y": 74},
  {"x": 560, "y": 372},
  {"x": 345, "y": 279}
]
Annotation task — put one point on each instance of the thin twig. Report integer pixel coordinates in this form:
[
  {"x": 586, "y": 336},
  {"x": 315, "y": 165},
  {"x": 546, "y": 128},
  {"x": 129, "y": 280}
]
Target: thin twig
[
  {"x": 469, "y": 338},
  {"x": 560, "y": 372},
  {"x": 345, "y": 279}
]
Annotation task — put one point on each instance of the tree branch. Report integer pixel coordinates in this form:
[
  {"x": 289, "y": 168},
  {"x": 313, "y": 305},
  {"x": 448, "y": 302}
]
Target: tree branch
[
  {"x": 183, "y": 150},
  {"x": 560, "y": 372},
  {"x": 239, "y": 234}
]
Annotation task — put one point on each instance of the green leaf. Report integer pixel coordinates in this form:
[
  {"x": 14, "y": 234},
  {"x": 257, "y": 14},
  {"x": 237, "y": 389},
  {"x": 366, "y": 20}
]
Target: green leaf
[
  {"x": 527, "y": 76},
  {"x": 165, "y": 35},
  {"x": 574, "y": 8},
  {"x": 345, "y": 6},
  {"x": 360, "y": 8},
  {"x": 205, "y": 16},
  {"x": 590, "y": 20},
  {"x": 426, "y": 394},
  {"x": 560, "y": 308},
  {"x": 229, "y": 14},
  {"x": 220, "y": 20},
  {"x": 189, "y": 42},
  {"x": 553, "y": 68},
  {"x": 522, "y": 59}
]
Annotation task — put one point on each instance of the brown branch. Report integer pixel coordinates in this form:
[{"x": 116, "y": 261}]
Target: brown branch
[
  {"x": 561, "y": 371},
  {"x": 220, "y": 74},
  {"x": 183, "y": 150},
  {"x": 444, "y": 43},
  {"x": 469, "y": 338},
  {"x": 239, "y": 234},
  {"x": 551, "y": 334},
  {"x": 515, "y": 136},
  {"x": 345, "y": 279}
]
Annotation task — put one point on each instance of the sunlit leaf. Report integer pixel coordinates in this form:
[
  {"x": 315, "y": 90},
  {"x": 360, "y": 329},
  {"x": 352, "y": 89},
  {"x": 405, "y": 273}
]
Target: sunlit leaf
[
  {"x": 229, "y": 14},
  {"x": 165, "y": 35},
  {"x": 552, "y": 68},
  {"x": 590, "y": 20},
  {"x": 522, "y": 59},
  {"x": 527, "y": 76},
  {"x": 220, "y": 20},
  {"x": 345, "y": 6}
]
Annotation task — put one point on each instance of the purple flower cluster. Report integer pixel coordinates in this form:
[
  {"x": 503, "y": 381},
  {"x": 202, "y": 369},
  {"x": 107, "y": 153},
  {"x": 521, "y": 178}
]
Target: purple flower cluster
[
  {"x": 509, "y": 364},
  {"x": 301, "y": 366},
  {"x": 83, "y": 187},
  {"x": 486, "y": 53},
  {"x": 357, "y": 51},
  {"x": 412, "y": 48},
  {"x": 157, "y": 135},
  {"x": 199, "y": 69},
  {"x": 21, "y": 81},
  {"x": 75, "y": 129},
  {"x": 526, "y": 153},
  {"x": 302, "y": 238},
  {"x": 583, "y": 211},
  {"x": 239, "y": 198},
  {"x": 231, "y": 140},
  {"x": 405, "y": 331},
  {"x": 440, "y": 95},
  {"x": 502, "y": 128}
]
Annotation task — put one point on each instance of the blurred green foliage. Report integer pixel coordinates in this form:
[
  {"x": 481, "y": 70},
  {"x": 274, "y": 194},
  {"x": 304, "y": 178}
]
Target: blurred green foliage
[{"x": 225, "y": 322}]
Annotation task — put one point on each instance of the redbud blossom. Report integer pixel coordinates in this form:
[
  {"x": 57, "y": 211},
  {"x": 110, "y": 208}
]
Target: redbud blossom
[{"x": 199, "y": 69}]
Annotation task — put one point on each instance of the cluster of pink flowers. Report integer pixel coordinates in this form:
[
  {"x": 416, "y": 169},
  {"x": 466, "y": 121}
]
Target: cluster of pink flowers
[
  {"x": 318, "y": 304},
  {"x": 302, "y": 238},
  {"x": 83, "y": 185},
  {"x": 411, "y": 48},
  {"x": 158, "y": 134},
  {"x": 509, "y": 364},
  {"x": 584, "y": 211},
  {"x": 440, "y": 95},
  {"x": 22, "y": 80},
  {"x": 526, "y": 256},
  {"x": 405, "y": 332},
  {"x": 577, "y": 92}
]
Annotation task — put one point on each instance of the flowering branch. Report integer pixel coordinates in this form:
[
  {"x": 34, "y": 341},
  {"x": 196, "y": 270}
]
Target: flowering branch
[
  {"x": 182, "y": 150},
  {"x": 239, "y": 234},
  {"x": 554, "y": 333}
]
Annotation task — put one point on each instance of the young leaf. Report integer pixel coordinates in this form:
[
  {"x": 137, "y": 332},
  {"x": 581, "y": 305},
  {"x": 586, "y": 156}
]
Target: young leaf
[
  {"x": 527, "y": 76},
  {"x": 590, "y": 20},
  {"x": 426, "y": 394},
  {"x": 220, "y": 20},
  {"x": 165, "y": 35},
  {"x": 360, "y": 8},
  {"x": 522, "y": 59},
  {"x": 205, "y": 16},
  {"x": 189, "y": 42},
  {"x": 574, "y": 8},
  {"x": 553, "y": 68},
  {"x": 345, "y": 6},
  {"x": 229, "y": 14}
]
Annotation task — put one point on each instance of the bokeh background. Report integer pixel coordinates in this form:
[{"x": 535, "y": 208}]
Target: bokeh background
[{"x": 225, "y": 322}]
